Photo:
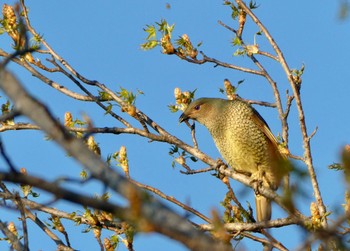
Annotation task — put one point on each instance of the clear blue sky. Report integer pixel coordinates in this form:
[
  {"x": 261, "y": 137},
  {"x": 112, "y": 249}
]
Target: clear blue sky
[{"x": 101, "y": 39}]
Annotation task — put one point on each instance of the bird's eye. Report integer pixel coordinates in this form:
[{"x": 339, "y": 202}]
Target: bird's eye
[{"x": 197, "y": 107}]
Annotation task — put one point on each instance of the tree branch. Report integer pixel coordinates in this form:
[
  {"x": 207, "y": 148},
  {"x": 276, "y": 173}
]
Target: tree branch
[{"x": 150, "y": 210}]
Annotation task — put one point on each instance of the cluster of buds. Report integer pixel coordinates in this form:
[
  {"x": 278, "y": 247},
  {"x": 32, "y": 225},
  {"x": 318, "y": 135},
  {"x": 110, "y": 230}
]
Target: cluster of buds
[
  {"x": 12, "y": 228},
  {"x": 91, "y": 218},
  {"x": 57, "y": 223},
  {"x": 93, "y": 146},
  {"x": 26, "y": 189},
  {"x": 104, "y": 216},
  {"x": 315, "y": 216},
  {"x": 252, "y": 49},
  {"x": 166, "y": 44},
  {"x": 181, "y": 160},
  {"x": 68, "y": 120},
  {"x": 129, "y": 109},
  {"x": 97, "y": 233},
  {"x": 108, "y": 245},
  {"x": 230, "y": 90},
  {"x": 11, "y": 26},
  {"x": 237, "y": 214},
  {"x": 15, "y": 30},
  {"x": 187, "y": 48},
  {"x": 123, "y": 160},
  {"x": 241, "y": 20},
  {"x": 183, "y": 99},
  {"x": 296, "y": 77},
  {"x": 5, "y": 108}
]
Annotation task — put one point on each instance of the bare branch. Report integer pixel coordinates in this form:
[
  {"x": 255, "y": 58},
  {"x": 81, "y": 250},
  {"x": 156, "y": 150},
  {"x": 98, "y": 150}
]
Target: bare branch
[{"x": 151, "y": 211}]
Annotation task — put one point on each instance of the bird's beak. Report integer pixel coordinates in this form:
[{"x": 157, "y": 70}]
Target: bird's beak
[{"x": 183, "y": 118}]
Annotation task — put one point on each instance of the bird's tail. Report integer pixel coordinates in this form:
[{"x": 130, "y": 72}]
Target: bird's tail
[{"x": 263, "y": 208}]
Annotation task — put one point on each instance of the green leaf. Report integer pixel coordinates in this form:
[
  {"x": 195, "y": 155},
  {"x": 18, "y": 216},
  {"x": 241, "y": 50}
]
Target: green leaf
[
  {"x": 152, "y": 32},
  {"x": 240, "y": 82},
  {"x": 164, "y": 27},
  {"x": 336, "y": 167},
  {"x": 194, "y": 159},
  {"x": 235, "y": 11},
  {"x": 127, "y": 96},
  {"x": 173, "y": 108},
  {"x": 173, "y": 149},
  {"x": 104, "y": 95},
  {"x": 2, "y": 31},
  {"x": 253, "y": 5},
  {"x": 240, "y": 52},
  {"x": 180, "y": 42},
  {"x": 109, "y": 108},
  {"x": 149, "y": 45},
  {"x": 236, "y": 41},
  {"x": 34, "y": 194}
]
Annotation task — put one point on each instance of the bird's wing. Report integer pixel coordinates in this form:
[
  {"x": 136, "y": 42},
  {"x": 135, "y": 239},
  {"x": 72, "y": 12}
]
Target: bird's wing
[
  {"x": 280, "y": 154},
  {"x": 266, "y": 130}
]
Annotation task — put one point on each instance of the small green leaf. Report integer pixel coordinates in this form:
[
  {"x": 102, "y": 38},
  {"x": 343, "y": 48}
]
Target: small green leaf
[
  {"x": 253, "y": 5},
  {"x": 194, "y": 159},
  {"x": 164, "y": 27},
  {"x": 149, "y": 45},
  {"x": 173, "y": 108},
  {"x": 236, "y": 41},
  {"x": 240, "y": 82},
  {"x": 34, "y": 194},
  {"x": 108, "y": 108},
  {"x": 235, "y": 11},
  {"x": 151, "y": 30},
  {"x": 240, "y": 52},
  {"x": 83, "y": 174},
  {"x": 173, "y": 149},
  {"x": 336, "y": 167}
]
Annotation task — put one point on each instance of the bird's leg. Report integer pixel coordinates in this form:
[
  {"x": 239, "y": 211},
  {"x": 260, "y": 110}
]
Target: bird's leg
[
  {"x": 220, "y": 163},
  {"x": 257, "y": 180}
]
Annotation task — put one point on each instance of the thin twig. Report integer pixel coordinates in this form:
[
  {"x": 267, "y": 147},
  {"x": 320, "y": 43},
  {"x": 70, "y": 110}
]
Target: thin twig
[
  {"x": 193, "y": 133},
  {"x": 48, "y": 232},
  {"x": 22, "y": 210},
  {"x": 306, "y": 141},
  {"x": 264, "y": 73},
  {"x": 172, "y": 199},
  {"x": 203, "y": 170},
  {"x": 6, "y": 157},
  {"x": 15, "y": 243}
]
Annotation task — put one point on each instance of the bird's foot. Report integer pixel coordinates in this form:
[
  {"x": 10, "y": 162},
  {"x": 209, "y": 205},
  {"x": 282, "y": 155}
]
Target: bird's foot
[{"x": 220, "y": 163}]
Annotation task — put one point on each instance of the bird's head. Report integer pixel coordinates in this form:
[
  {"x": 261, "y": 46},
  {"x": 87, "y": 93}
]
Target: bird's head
[{"x": 203, "y": 110}]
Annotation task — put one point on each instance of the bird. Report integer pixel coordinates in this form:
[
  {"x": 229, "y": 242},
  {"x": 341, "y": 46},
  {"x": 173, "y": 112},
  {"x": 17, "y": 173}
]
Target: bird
[{"x": 245, "y": 142}]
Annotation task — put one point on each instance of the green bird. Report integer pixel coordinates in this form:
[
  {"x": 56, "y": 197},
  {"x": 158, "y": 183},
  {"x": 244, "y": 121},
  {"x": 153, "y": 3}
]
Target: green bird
[{"x": 244, "y": 140}]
